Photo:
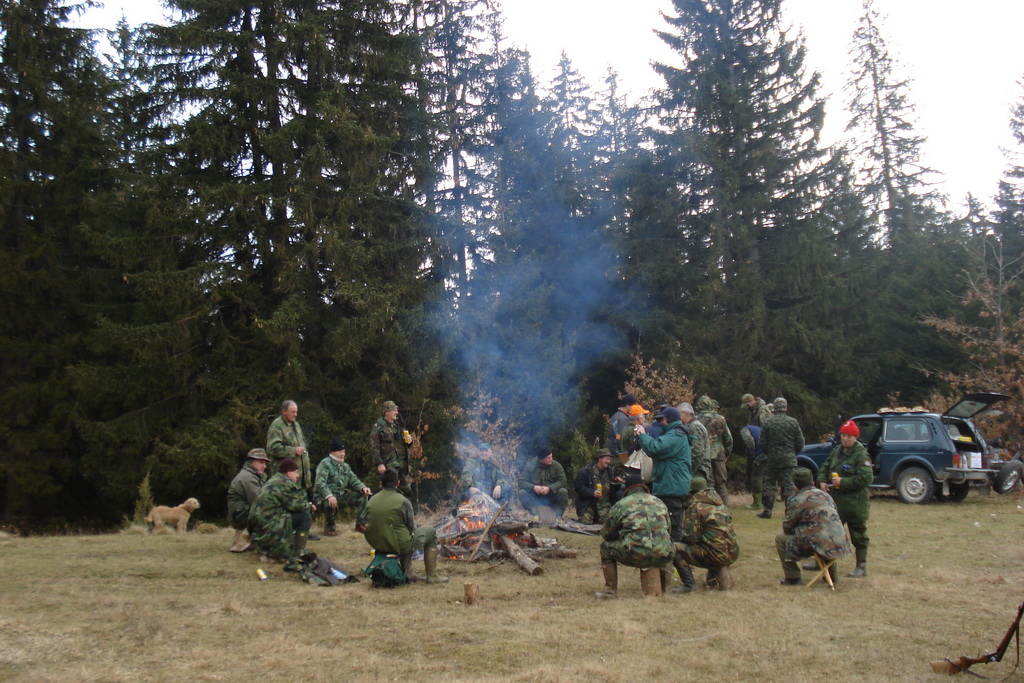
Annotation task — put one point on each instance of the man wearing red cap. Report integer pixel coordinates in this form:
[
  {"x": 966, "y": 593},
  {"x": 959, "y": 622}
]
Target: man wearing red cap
[{"x": 847, "y": 473}]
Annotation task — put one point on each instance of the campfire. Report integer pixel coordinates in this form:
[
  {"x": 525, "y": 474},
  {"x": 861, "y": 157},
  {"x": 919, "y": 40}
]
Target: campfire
[{"x": 480, "y": 529}]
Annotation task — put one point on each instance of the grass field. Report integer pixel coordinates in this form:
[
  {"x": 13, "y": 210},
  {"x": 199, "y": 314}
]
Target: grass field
[{"x": 944, "y": 580}]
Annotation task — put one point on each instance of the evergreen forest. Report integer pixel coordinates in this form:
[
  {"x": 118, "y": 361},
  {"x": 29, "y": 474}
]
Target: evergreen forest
[{"x": 343, "y": 203}]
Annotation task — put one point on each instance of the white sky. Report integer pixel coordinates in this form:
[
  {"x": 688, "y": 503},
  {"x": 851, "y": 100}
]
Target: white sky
[{"x": 964, "y": 61}]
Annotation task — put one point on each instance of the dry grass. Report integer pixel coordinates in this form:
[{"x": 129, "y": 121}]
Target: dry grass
[{"x": 945, "y": 580}]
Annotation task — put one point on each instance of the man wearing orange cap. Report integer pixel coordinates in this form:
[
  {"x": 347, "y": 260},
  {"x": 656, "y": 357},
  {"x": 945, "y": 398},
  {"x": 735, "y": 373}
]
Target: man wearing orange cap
[{"x": 847, "y": 473}]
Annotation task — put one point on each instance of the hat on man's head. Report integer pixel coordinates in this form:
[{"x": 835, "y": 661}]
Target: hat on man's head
[
  {"x": 802, "y": 477},
  {"x": 698, "y": 484},
  {"x": 745, "y": 399},
  {"x": 258, "y": 454},
  {"x": 627, "y": 400},
  {"x": 390, "y": 405},
  {"x": 780, "y": 405},
  {"x": 287, "y": 465},
  {"x": 850, "y": 427},
  {"x": 602, "y": 453},
  {"x": 637, "y": 409},
  {"x": 633, "y": 480},
  {"x": 337, "y": 445},
  {"x": 685, "y": 408},
  {"x": 543, "y": 453},
  {"x": 671, "y": 414}
]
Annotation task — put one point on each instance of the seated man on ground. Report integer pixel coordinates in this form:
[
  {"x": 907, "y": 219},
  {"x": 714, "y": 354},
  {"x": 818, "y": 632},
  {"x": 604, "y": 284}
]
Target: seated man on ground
[
  {"x": 709, "y": 540},
  {"x": 594, "y": 485},
  {"x": 280, "y": 518},
  {"x": 392, "y": 529},
  {"x": 543, "y": 482},
  {"x": 337, "y": 486},
  {"x": 242, "y": 491},
  {"x": 637, "y": 533},
  {"x": 812, "y": 527},
  {"x": 481, "y": 475}
]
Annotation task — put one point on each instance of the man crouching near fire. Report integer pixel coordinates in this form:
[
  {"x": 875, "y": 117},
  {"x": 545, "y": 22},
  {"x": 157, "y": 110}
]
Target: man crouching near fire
[
  {"x": 636, "y": 533},
  {"x": 392, "y": 530}
]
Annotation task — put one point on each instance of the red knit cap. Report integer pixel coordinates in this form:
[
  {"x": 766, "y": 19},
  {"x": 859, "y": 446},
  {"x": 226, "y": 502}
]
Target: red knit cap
[{"x": 850, "y": 427}]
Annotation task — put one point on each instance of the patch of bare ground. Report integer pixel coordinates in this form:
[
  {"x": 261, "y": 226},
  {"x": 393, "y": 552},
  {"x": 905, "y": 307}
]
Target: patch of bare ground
[{"x": 944, "y": 580}]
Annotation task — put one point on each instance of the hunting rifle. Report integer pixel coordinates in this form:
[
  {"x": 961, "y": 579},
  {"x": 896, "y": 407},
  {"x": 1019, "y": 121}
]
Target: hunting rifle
[{"x": 949, "y": 666}]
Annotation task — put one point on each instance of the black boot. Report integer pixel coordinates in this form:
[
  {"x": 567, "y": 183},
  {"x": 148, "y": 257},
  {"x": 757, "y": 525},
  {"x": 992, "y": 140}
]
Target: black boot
[
  {"x": 769, "y": 504},
  {"x": 686, "y": 576},
  {"x": 861, "y": 570}
]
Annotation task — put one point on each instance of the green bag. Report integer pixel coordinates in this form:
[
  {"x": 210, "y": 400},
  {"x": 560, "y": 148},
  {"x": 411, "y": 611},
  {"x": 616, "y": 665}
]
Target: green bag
[{"x": 385, "y": 571}]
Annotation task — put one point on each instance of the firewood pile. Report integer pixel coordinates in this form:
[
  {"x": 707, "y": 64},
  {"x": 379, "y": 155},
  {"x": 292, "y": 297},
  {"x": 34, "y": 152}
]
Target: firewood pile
[{"x": 480, "y": 529}]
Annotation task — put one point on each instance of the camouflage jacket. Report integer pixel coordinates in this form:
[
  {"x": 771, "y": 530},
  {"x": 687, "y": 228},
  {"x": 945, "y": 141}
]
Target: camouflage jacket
[
  {"x": 585, "y": 484},
  {"x": 391, "y": 522},
  {"x": 700, "y": 453},
  {"x": 758, "y": 414},
  {"x": 334, "y": 478},
  {"x": 854, "y": 469},
  {"x": 482, "y": 474},
  {"x": 283, "y": 438},
  {"x": 708, "y": 523},
  {"x": 719, "y": 436},
  {"x": 387, "y": 447},
  {"x": 781, "y": 438},
  {"x": 629, "y": 442},
  {"x": 535, "y": 474},
  {"x": 270, "y": 518},
  {"x": 813, "y": 524},
  {"x": 639, "y": 527},
  {"x": 242, "y": 491}
]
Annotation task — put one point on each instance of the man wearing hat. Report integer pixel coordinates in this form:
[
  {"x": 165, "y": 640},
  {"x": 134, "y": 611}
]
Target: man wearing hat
[
  {"x": 781, "y": 439},
  {"x": 286, "y": 440},
  {"x": 280, "y": 518},
  {"x": 709, "y": 540},
  {"x": 637, "y": 416},
  {"x": 480, "y": 474},
  {"x": 636, "y": 533},
  {"x": 847, "y": 473},
  {"x": 757, "y": 410},
  {"x": 389, "y": 446},
  {"x": 242, "y": 491},
  {"x": 617, "y": 423},
  {"x": 338, "y": 486},
  {"x": 812, "y": 526},
  {"x": 543, "y": 482},
  {"x": 594, "y": 485}
]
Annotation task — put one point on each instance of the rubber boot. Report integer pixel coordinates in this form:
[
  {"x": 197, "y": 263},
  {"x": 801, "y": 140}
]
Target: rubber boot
[
  {"x": 611, "y": 582},
  {"x": 406, "y": 561},
  {"x": 430, "y": 562},
  {"x": 861, "y": 570},
  {"x": 650, "y": 582},
  {"x": 756, "y": 505},
  {"x": 769, "y": 503},
  {"x": 725, "y": 580},
  {"x": 299, "y": 539},
  {"x": 686, "y": 576}
]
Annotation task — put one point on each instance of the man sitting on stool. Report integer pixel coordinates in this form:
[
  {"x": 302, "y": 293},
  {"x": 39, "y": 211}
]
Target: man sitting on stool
[
  {"x": 812, "y": 527},
  {"x": 709, "y": 540}
]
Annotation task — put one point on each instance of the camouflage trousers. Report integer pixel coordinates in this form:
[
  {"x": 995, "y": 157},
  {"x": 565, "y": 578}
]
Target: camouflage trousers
[
  {"x": 720, "y": 477},
  {"x": 755, "y": 474},
  {"x": 675, "y": 505},
  {"x": 701, "y": 467},
  {"x": 347, "y": 499},
  {"x": 790, "y": 567},
  {"x": 858, "y": 533},
  {"x": 593, "y": 510},
  {"x": 628, "y": 553},
  {"x": 277, "y": 538},
  {"x": 703, "y": 556},
  {"x": 779, "y": 474}
]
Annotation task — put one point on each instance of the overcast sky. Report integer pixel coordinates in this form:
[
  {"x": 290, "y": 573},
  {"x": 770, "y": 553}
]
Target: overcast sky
[{"x": 964, "y": 60}]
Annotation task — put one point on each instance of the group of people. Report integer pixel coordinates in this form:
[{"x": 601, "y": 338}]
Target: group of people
[
  {"x": 275, "y": 514},
  {"x": 675, "y": 515}
]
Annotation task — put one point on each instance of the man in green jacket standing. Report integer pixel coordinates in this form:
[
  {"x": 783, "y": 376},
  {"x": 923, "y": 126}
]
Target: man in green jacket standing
[
  {"x": 286, "y": 440},
  {"x": 847, "y": 473},
  {"x": 392, "y": 529},
  {"x": 389, "y": 446},
  {"x": 781, "y": 439},
  {"x": 543, "y": 482},
  {"x": 338, "y": 486},
  {"x": 242, "y": 491},
  {"x": 671, "y": 479}
]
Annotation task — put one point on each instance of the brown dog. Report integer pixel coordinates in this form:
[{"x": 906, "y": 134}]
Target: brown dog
[{"x": 178, "y": 516}]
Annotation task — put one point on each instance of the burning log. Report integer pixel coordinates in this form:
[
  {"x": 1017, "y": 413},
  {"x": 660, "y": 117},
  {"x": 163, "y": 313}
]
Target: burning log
[
  {"x": 487, "y": 531},
  {"x": 517, "y": 554}
]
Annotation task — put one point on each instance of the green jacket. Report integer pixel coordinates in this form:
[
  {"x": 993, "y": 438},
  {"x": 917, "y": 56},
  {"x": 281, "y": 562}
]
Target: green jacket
[
  {"x": 535, "y": 474},
  {"x": 391, "y": 522},
  {"x": 671, "y": 455},
  {"x": 283, "y": 438},
  {"x": 759, "y": 413},
  {"x": 781, "y": 439},
  {"x": 482, "y": 474},
  {"x": 334, "y": 478},
  {"x": 708, "y": 523},
  {"x": 270, "y": 518},
  {"x": 639, "y": 528},
  {"x": 628, "y": 441},
  {"x": 854, "y": 468},
  {"x": 700, "y": 451},
  {"x": 387, "y": 445},
  {"x": 242, "y": 491}
]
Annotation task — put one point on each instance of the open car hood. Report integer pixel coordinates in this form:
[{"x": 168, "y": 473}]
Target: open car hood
[{"x": 972, "y": 404}]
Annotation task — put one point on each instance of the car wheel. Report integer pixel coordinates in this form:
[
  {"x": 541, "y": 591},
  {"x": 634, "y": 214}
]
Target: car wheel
[
  {"x": 915, "y": 486},
  {"x": 1008, "y": 477}
]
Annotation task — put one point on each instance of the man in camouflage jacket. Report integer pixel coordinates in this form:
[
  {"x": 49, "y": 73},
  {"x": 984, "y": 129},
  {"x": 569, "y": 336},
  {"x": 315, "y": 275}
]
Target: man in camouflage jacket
[
  {"x": 757, "y": 410},
  {"x": 286, "y": 440},
  {"x": 337, "y": 486},
  {"x": 636, "y": 533},
  {"x": 388, "y": 447},
  {"x": 812, "y": 526},
  {"x": 592, "y": 506},
  {"x": 242, "y": 491},
  {"x": 481, "y": 475},
  {"x": 847, "y": 473},
  {"x": 719, "y": 441},
  {"x": 709, "y": 540},
  {"x": 700, "y": 450},
  {"x": 280, "y": 519},
  {"x": 543, "y": 482},
  {"x": 781, "y": 439}
]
